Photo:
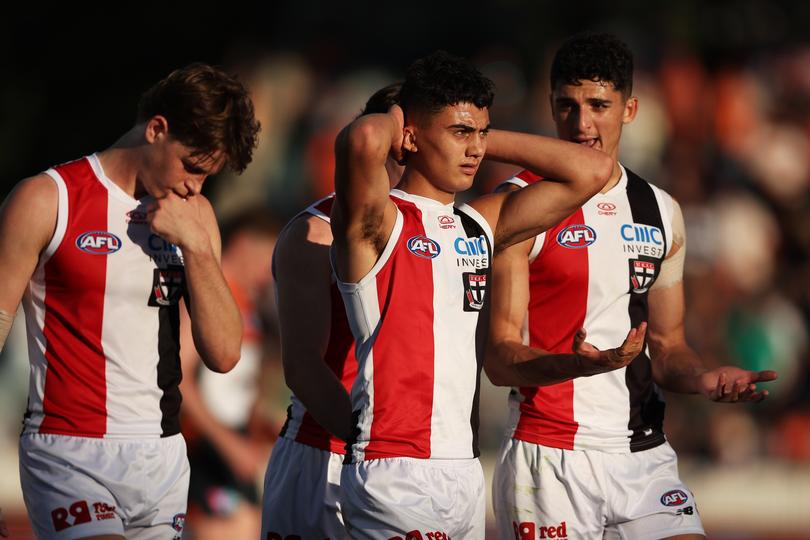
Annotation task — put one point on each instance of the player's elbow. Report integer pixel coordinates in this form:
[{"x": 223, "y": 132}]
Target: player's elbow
[
  {"x": 223, "y": 361},
  {"x": 601, "y": 171},
  {"x": 363, "y": 138},
  {"x": 497, "y": 372}
]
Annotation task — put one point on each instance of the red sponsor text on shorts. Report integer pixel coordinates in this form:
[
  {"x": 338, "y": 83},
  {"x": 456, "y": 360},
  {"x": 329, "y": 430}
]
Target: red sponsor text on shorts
[{"x": 530, "y": 531}]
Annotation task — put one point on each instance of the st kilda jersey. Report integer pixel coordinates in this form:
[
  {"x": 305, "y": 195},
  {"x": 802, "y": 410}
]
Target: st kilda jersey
[
  {"x": 594, "y": 271},
  {"x": 102, "y": 316},
  {"x": 415, "y": 319},
  {"x": 339, "y": 357}
]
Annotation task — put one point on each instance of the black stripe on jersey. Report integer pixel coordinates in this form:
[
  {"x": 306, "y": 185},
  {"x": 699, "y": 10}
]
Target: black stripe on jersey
[
  {"x": 646, "y": 408},
  {"x": 168, "y": 368},
  {"x": 472, "y": 229}
]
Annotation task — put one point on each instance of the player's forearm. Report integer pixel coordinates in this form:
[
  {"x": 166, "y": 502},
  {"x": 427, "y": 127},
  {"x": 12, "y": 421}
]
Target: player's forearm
[
  {"x": 324, "y": 397},
  {"x": 678, "y": 369},
  {"x": 215, "y": 321},
  {"x": 586, "y": 169},
  {"x": 514, "y": 364}
]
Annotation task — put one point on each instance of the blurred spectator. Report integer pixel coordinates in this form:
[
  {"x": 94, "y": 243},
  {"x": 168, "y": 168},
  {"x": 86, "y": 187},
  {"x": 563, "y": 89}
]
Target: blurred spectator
[{"x": 227, "y": 434}]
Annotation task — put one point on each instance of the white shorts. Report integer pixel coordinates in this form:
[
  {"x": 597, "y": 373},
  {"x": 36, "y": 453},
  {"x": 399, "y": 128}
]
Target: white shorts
[
  {"x": 542, "y": 492},
  {"x": 414, "y": 499},
  {"x": 76, "y": 487},
  {"x": 301, "y": 490}
]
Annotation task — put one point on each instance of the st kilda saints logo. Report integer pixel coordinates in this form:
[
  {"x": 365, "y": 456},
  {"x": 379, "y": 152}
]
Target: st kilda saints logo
[
  {"x": 168, "y": 286},
  {"x": 642, "y": 273},
  {"x": 475, "y": 287}
]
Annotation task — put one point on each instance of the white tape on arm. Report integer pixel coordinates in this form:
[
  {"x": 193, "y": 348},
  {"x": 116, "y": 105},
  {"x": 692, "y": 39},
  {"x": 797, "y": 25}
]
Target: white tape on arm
[
  {"x": 5, "y": 327},
  {"x": 672, "y": 267}
]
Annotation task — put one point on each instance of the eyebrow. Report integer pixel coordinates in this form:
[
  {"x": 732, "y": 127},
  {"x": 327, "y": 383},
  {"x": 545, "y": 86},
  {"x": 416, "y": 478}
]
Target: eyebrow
[{"x": 466, "y": 127}]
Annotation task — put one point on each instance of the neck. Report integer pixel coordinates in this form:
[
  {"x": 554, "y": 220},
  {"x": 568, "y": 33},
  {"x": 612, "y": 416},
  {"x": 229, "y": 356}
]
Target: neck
[
  {"x": 121, "y": 163},
  {"x": 416, "y": 183}
]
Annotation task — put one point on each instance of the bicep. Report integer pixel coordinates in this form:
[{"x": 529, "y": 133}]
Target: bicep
[
  {"x": 510, "y": 293},
  {"x": 27, "y": 223},
  {"x": 665, "y": 327}
]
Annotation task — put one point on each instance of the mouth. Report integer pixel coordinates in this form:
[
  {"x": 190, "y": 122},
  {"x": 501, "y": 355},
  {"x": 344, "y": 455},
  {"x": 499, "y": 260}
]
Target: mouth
[
  {"x": 469, "y": 169},
  {"x": 590, "y": 142}
]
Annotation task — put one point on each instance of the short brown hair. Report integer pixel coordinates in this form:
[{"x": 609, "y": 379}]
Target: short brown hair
[{"x": 207, "y": 110}]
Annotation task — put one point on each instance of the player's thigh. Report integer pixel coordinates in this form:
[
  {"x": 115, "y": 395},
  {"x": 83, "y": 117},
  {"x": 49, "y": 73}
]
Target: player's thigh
[
  {"x": 403, "y": 498},
  {"x": 64, "y": 489},
  {"x": 649, "y": 500},
  {"x": 542, "y": 492},
  {"x": 296, "y": 492}
]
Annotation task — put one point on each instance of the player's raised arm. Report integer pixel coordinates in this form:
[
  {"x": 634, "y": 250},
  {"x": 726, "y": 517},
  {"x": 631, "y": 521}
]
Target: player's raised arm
[
  {"x": 574, "y": 172},
  {"x": 363, "y": 215}
]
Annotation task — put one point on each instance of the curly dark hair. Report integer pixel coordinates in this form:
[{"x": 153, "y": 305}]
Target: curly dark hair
[
  {"x": 441, "y": 79},
  {"x": 382, "y": 100},
  {"x": 589, "y": 56},
  {"x": 207, "y": 110}
]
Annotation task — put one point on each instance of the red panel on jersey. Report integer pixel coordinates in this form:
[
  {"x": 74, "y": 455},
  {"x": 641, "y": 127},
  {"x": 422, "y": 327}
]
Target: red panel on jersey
[
  {"x": 75, "y": 400},
  {"x": 528, "y": 176},
  {"x": 340, "y": 358},
  {"x": 556, "y": 311},
  {"x": 403, "y": 368}
]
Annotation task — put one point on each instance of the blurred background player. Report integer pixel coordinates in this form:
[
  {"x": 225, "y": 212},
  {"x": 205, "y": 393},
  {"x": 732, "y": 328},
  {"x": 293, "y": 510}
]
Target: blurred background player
[
  {"x": 413, "y": 271},
  {"x": 222, "y": 421},
  {"x": 302, "y": 482},
  {"x": 588, "y": 457},
  {"x": 112, "y": 243}
]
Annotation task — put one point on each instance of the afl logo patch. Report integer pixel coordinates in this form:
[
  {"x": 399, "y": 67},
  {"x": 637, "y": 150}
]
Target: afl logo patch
[
  {"x": 98, "y": 242},
  {"x": 576, "y": 236},
  {"x": 676, "y": 497},
  {"x": 424, "y": 247}
]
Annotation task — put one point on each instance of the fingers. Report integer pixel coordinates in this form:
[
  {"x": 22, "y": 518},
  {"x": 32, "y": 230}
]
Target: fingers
[
  {"x": 763, "y": 376},
  {"x": 579, "y": 339}
]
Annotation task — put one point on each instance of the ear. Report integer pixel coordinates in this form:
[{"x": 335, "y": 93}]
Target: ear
[
  {"x": 630, "y": 110},
  {"x": 157, "y": 127},
  {"x": 409, "y": 139}
]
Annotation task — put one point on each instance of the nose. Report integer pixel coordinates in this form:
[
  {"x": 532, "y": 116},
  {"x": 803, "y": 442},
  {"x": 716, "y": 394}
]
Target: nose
[
  {"x": 583, "y": 120},
  {"x": 194, "y": 184},
  {"x": 477, "y": 146}
]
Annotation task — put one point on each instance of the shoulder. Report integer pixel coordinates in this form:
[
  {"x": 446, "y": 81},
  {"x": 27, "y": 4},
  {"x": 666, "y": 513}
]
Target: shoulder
[
  {"x": 305, "y": 227},
  {"x": 32, "y": 207},
  {"x": 38, "y": 195}
]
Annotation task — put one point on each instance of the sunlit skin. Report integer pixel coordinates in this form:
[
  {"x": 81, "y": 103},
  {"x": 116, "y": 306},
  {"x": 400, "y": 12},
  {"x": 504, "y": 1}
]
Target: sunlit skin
[
  {"x": 170, "y": 166},
  {"x": 593, "y": 114},
  {"x": 444, "y": 150}
]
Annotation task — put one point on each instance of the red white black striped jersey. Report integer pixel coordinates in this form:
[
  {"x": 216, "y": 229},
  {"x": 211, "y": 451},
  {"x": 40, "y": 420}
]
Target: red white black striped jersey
[
  {"x": 594, "y": 270},
  {"x": 339, "y": 357},
  {"x": 102, "y": 316},
  {"x": 415, "y": 319}
]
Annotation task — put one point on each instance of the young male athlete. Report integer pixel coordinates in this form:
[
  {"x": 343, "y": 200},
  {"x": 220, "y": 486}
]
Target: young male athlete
[
  {"x": 413, "y": 270},
  {"x": 587, "y": 457},
  {"x": 303, "y": 477},
  {"x": 101, "y": 250},
  {"x": 219, "y": 412}
]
